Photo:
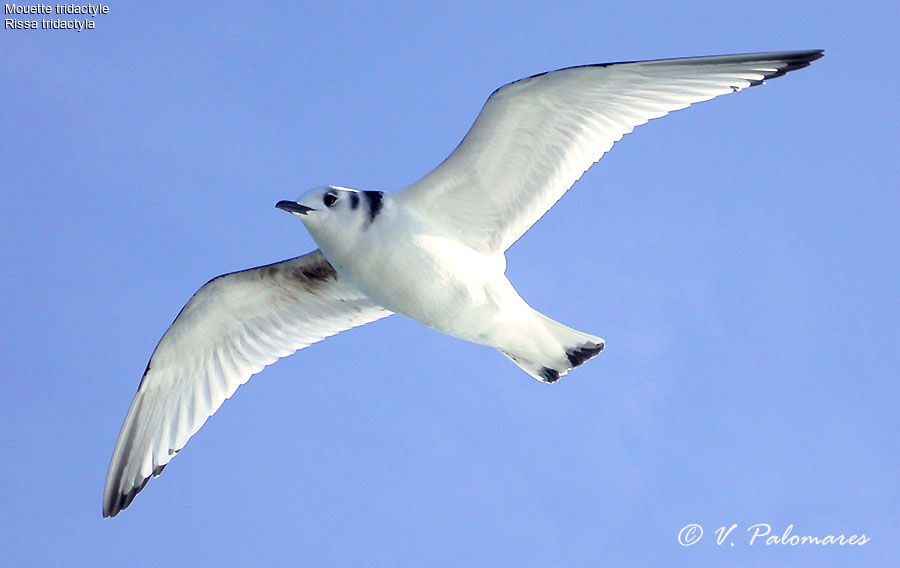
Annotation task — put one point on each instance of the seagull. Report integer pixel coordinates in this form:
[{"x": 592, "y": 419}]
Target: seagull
[{"x": 433, "y": 252}]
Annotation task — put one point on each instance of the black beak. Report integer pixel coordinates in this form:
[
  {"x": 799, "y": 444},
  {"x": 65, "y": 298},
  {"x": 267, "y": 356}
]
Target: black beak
[{"x": 293, "y": 207}]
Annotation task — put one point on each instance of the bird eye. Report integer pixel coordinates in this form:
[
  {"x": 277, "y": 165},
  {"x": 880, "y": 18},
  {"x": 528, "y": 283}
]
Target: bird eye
[{"x": 329, "y": 199}]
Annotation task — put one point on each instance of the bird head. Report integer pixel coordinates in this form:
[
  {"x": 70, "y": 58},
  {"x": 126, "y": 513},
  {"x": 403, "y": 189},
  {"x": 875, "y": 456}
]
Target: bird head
[{"x": 335, "y": 216}]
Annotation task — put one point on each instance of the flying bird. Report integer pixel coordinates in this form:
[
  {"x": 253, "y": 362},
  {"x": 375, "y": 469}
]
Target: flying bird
[{"x": 433, "y": 252}]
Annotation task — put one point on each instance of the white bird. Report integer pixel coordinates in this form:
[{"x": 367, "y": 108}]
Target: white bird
[{"x": 433, "y": 252}]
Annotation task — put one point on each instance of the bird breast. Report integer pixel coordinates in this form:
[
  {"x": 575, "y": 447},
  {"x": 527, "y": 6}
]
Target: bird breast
[{"x": 434, "y": 280}]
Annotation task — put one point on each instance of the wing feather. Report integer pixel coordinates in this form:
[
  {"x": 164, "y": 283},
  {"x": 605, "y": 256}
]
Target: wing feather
[
  {"x": 233, "y": 326},
  {"x": 536, "y": 137}
]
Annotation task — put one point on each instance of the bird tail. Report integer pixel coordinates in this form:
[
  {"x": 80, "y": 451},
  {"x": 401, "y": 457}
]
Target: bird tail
[{"x": 554, "y": 350}]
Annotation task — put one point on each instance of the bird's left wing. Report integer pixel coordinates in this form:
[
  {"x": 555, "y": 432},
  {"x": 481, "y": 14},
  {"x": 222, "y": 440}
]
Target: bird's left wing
[
  {"x": 233, "y": 326},
  {"x": 535, "y": 137}
]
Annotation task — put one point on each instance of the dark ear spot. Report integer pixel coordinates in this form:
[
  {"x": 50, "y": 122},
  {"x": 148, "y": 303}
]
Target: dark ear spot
[{"x": 354, "y": 200}]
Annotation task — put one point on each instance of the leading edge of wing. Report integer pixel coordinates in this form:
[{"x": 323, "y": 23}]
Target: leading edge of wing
[{"x": 794, "y": 59}]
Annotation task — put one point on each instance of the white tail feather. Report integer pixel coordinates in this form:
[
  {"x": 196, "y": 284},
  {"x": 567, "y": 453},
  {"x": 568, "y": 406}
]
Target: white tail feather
[{"x": 564, "y": 350}]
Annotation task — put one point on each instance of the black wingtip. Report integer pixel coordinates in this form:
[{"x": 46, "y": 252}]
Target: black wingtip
[
  {"x": 121, "y": 501},
  {"x": 796, "y": 60}
]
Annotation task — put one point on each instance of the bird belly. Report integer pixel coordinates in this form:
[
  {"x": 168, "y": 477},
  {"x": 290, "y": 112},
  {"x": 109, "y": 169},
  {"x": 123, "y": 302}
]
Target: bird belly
[{"x": 442, "y": 284}]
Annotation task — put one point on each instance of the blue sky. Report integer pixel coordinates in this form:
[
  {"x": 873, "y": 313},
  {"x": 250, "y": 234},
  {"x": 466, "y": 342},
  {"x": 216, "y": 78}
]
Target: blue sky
[{"x": 740, "y": 258}]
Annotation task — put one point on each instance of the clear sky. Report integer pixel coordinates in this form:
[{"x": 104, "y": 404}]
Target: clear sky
[{"x": 740, "y": 258}]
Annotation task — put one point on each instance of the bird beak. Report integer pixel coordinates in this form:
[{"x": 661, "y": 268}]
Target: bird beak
[{"x": 293, "y": 207}]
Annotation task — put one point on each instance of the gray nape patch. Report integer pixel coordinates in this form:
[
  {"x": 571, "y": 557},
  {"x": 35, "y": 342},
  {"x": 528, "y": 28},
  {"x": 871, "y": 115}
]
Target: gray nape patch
[{"x": 375, "y": 200}]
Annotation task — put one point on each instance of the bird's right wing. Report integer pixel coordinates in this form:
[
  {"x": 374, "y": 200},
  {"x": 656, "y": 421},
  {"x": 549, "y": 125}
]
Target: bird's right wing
[
  {"x": 233, "y": 326},
  {"x": 535, "y": 137}
]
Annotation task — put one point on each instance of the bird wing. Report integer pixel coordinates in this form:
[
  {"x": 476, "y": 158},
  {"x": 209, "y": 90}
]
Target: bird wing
[
  {"x": 230, "y": 329},
  {"x": 535, "y": 137}
]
